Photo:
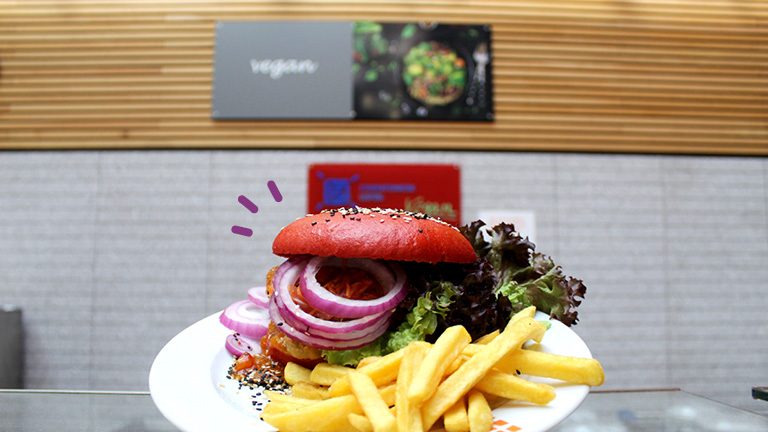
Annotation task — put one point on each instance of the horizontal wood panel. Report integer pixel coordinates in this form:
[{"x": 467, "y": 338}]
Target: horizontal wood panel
[{"x": 650, "y": 76}]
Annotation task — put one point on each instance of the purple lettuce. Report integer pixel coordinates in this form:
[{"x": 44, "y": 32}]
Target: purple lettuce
[{"x": 523, "y": 276}]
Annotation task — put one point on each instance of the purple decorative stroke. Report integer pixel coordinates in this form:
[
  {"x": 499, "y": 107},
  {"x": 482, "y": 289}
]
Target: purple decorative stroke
[
  {"x": 248, "y": 204},
  {"x": 243, "y": 231},
  {"x": 275, "y": 191}
]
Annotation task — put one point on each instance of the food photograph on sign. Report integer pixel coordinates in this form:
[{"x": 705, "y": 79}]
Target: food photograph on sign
[{"x": 422, "y": 71}]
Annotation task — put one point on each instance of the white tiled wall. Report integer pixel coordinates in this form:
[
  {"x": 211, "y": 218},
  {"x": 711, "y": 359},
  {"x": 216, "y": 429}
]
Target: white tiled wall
[{"x": 110, "y": 254}]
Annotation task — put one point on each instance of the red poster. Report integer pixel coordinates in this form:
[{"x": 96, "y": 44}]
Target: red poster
[{"x": 431, "y": 189}]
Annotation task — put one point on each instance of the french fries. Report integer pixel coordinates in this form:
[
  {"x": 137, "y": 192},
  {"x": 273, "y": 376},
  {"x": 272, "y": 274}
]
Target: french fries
[
  {"x": 367, "y": 361},
  {"x": 294, "y": 414},
  {"x": 330, "y": 415},
  {"x": 287, "y": 400},
  {"x": 570, "y": 369},
  {"x": 383, "y": 371},
  {"x": 372, "y": 403},
  {"x": 411, "y": 389},
  {"x": 573, "y": 370},
  {"x": 479, "y": 414},
  {"x": 529, "y": 312},
  {"x": 509, "y": 386},
  {"x": 309, "y": 390},
  {"x": 455, "y": 419},
  {"x": 483, "y": 340},
  {"x": 471, "y": 372},
  {"x": 409, "y": 414},
  {"x": 360, "y": 422},
  {"x": 439, "y": 358},
  {"x": 326, "y": 374},
  {"x": 295, "y": 373}
]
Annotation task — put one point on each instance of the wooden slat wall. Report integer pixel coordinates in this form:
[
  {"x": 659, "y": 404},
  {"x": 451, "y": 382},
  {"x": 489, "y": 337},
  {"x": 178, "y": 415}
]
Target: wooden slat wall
[{"x": 646, "y": 76}]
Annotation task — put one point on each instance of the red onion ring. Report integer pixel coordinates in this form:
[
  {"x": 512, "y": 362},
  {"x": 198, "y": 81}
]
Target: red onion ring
[
  {"x": 317, "y": 342},
  {"x": 288, "y": 265},
  {"x": 331, "y": 330},
  {"x": 285, "y": 277},
  {"x": 246, "y": 318},
  {"x": 325, "y": 301},
  {"x": 238, "y": 344},
  {"x": 258, "y": 295}
]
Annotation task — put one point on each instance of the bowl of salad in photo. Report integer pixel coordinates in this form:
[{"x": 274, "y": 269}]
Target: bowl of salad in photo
[{"x": 434, "y": 73}]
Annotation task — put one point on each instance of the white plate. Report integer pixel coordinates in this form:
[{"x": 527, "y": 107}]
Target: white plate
[{"x": 189, "y": 386}]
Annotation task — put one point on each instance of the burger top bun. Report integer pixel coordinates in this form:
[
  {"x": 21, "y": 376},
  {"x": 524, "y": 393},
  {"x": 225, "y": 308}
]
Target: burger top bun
[{"x": 374, "y": 233}]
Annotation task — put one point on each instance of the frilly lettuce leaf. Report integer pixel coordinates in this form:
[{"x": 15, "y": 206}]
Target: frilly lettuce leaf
[
  {"x": 523, "y": 276},
  {"x": 423, "y": 319}
]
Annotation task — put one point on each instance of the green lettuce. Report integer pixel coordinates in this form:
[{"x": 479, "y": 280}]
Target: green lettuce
[
  {"x": 423, "y": 319},
  {"x": 353, "y": 357}
]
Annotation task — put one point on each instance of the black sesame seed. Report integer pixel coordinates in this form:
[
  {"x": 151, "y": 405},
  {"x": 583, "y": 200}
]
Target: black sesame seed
[
  {"x": 421, "y": 230},
  {"x": 314, "y": 223}
]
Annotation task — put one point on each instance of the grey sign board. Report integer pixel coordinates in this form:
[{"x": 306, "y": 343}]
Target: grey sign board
[{"x": 282, "y": 70}]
